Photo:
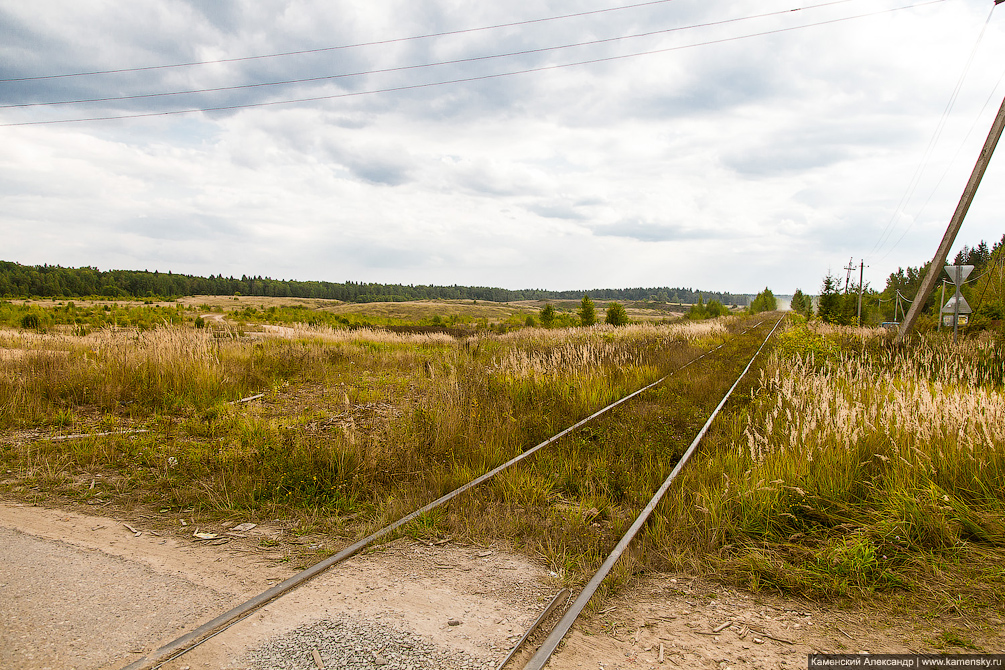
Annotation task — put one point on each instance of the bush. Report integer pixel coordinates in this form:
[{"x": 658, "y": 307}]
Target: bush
[
  {"x": 616, "y": 315},
  {"x": 587, "y": 313},
  {"x": 30, "y": 321},
  {"x": 802, "y": 303},
  {"x": 764, "y": 302},
  {"x": 712, "y": 310},
  {"x": 548, "y": 316}
]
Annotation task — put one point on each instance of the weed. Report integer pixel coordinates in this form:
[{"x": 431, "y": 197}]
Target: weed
[
  {"x": 842, "y": 467},
  {"x": 953, "y": 638}
]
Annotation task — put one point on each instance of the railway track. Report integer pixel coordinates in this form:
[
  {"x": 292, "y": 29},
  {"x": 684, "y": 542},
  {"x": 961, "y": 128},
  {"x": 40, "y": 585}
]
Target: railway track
[{"x": 210, "y": 629}]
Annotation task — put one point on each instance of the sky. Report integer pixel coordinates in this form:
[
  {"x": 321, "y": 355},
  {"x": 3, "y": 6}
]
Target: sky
[{"x": 592, "y": 143}]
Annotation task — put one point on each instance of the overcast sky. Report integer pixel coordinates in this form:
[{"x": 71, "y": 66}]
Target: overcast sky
[{"x": 748, "y": 161}]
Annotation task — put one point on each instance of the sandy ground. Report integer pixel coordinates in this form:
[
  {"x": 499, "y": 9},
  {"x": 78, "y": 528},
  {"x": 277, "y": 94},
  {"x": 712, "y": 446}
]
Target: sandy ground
[
  {"x": 68, "y": 577},
  {"x": 80, "y": 590}
]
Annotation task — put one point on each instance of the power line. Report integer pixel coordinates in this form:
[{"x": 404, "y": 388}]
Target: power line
[
  {"x": 409, "y": 87},
  {"x": 422, "y": 65},
  {"x": 945, "y": 173},
  {"x": 340, "y": 47},
  {"x": 991, "y": 266},
  {"x": 919, "y": 171}
]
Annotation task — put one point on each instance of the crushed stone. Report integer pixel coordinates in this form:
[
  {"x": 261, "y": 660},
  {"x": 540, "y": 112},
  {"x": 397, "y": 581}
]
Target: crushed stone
[{"x": 350, "y": 644}]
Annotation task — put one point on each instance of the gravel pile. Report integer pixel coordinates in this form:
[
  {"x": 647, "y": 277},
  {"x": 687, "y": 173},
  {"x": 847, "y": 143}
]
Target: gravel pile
[{"x": 345, "y": 643}]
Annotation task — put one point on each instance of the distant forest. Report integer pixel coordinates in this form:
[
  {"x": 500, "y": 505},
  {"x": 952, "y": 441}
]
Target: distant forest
[{"x": 54, "y": 281}]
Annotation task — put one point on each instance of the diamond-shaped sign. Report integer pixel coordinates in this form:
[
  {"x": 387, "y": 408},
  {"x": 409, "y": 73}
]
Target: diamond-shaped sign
[
  {"x": 959, "y": 273},
  {"x": 950, "y": 307}
]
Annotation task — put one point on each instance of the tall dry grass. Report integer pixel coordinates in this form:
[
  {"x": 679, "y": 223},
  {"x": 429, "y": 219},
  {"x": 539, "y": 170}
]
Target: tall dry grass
[
  {"x": 854, "y": 465},
  {"x": 113, "y": 370},
  {"x": 362, "y": 420}
]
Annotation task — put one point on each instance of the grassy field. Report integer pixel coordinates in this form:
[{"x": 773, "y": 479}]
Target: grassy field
[
  {"x": 856, "y": 468},
  {"x": 843, "y": 468},
  {"x": 249, "y": 312},
  {"x": 362, "y": 423}
]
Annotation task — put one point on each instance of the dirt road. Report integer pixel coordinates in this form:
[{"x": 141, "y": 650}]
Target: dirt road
[
  {"x": 81, "y": 591},
  {"x": 86, "y": 591}
]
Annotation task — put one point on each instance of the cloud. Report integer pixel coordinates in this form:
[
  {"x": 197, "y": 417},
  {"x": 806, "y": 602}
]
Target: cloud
[
  {"x": 752, "y": 162},
  {"x": 646, "y": 231},
  {"x": 556, "y": 210},
  {"x": 181, "y": 227}
]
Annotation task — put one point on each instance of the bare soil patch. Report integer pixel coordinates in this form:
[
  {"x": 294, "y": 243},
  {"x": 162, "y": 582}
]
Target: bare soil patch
[
  {"x": 153, "y": 569},
  {"x": 702, "y": 624}
]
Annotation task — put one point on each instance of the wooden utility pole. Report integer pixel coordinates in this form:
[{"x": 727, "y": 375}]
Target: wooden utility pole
[
  {"x": 942, "y": 301},
  {"x": 861, "y": 271},
  {"x": 935, "y": 269},
  {"x": 847, "y": 275}
]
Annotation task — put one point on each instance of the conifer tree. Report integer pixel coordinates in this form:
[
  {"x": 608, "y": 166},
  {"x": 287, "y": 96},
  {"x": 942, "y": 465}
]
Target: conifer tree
[
  {"x": 587, "y": 313},
  {"x": 616, "y": 315},
  {"x": 548, "y": 316}
]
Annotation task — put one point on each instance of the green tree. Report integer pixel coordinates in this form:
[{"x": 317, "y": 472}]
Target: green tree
[
  {"x": 716, "y": 308},
  {"x": 802, "y": 303},
  {"x": 697, "y": 310},
  {"x": 548, "y": 316},
  {"x": 829, "y": 306},
  {"x": 587, "y": 313},
  {"x": 616, "y": 315},
  {"x": 764, "y": 302}
]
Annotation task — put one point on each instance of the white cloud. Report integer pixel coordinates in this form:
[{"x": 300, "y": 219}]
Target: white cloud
[{"x": 754, "y": 162}]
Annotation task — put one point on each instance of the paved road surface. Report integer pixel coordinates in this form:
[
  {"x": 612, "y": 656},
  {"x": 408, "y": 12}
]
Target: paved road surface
[{"x": 63, "y": 606}]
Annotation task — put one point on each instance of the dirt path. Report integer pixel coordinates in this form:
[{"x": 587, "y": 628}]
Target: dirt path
[
  {"x": 74, "y": 576},
  {"x": 84, "y": 591}
]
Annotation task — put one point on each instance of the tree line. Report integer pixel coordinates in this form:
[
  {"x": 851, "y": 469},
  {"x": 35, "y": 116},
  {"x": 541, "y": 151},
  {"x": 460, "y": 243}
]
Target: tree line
[
  {"x": 984, "y": 291},
  {"x": 54, "y": 281}
]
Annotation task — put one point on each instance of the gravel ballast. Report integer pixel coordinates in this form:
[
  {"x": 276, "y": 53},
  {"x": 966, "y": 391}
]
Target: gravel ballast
[{"x": 343, "y": 642}]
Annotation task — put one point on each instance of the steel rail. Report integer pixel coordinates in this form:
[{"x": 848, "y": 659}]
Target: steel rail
[
  {"x": 564, "y": 593},
  {"x": 545, "y": 651},
  {"x": 214, "y": 627}
]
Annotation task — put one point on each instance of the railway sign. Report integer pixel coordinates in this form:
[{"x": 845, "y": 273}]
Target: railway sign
[
  {"x": 950, "y": 306},
  {"x": 957, "y": 307},
  {"x": 959, "y": 273}
]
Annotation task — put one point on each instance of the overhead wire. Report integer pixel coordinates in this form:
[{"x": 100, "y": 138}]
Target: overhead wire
[
  {"x": 991, "y": 267},
  {"x": 408, "y": 87},
  {"x": 945, "y": 173},
  {"x": 424, "y": 65},
  {"x": 301, "y": 52},
  {"x": 926, "y": 156}
]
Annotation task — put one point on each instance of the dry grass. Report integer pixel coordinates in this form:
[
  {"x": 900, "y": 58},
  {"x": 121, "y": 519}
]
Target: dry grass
[
  {"x": 857, "y": 467},
  {"x": 356, "y": 421},
  {"x": 844, "y": 467}
]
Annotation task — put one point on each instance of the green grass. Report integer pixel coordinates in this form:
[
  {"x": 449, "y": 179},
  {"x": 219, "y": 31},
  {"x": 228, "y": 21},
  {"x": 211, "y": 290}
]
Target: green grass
[
  {"x": 352, "y": 421},
  {"x": 853, "y": 468},
  {"x": 90, "y": 316},
  {"x": 843, "y": 467}
]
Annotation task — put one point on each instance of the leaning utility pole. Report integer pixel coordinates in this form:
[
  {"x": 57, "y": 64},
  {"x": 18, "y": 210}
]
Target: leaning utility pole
[
  {"x": 935, "y": 269},
  {"x": 847, "y": 275},
  {"x": 861, "y": 270},
  {"x": 942, "y": 301}
]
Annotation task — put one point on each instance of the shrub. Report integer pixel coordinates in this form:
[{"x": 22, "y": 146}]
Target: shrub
[
  {"x": 764, "y": 302},
  {"x": 548, "y": 316},
  {"x": 802, "y": 303},
  {"x": 587, "y": 313},
  {"x": 616, "y": 315},
  {"x": 712, "y": 310}
]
